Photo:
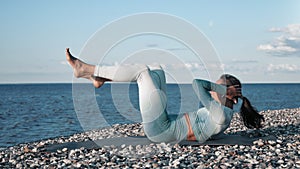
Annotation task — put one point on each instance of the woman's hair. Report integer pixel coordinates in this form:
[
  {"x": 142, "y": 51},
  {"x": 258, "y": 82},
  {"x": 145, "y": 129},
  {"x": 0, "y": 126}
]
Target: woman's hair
[{"x": 248, "y": 114}]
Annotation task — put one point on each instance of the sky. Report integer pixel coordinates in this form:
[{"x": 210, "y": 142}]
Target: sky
[{"x": 257, "y": 41}]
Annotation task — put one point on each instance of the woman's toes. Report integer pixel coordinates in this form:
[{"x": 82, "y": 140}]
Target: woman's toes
[{"x": 70, "y": 58}]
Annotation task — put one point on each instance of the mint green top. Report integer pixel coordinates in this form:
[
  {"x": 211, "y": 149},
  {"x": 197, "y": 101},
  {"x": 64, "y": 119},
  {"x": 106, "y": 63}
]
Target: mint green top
[{"x": 214, "y": 118}]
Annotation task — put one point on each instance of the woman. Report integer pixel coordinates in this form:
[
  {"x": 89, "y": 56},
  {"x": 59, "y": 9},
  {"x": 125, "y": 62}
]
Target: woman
[{"x": 207, "y": 122}]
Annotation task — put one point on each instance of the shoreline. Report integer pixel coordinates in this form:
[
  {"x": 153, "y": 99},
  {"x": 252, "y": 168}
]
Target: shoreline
[{"x": 284, "y": 152}]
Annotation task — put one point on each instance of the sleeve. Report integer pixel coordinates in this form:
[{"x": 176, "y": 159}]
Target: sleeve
[{"x": 202, "y": 89}]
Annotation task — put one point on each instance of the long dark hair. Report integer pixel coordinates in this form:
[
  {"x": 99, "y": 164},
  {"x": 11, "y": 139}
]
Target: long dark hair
[{"x": 249, "y": 115}]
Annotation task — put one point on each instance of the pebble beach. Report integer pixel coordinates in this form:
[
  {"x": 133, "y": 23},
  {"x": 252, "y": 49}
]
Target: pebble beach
[{"x": 283, "y": 152}]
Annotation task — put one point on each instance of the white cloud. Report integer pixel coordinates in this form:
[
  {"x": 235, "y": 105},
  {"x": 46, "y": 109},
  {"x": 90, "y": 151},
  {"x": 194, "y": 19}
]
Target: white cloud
[
  {"x": 283, "y": 68},
  {"x": 188, "y": 65},
  {"x": 288, "y": 43},
  {"x": 276, "y": 48},
  {"x": 275, "y": 29}
]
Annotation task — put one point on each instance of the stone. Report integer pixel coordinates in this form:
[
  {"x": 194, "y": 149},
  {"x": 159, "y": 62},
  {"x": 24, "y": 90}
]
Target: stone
[
  {"x": 271, "y": 142},
  {"x": 280, "y": 161},
  {"x": 34, "y": 150},
  {"x": 26, "y": 149},
  {"x": 19, "y": 165},
  {"x": 67, "y": 161}
]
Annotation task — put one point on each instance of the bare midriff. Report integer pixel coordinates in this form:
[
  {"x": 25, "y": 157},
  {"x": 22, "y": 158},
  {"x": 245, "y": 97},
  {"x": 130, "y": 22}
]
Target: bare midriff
[{"x": 190, "y": 135}]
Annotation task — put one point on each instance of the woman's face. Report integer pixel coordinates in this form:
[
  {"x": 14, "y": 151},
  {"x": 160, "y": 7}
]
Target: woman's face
[
  {"x": 222, "y": 98},
  {"x": 238, "y": 91},
  {"x": 218, "y": 97}
]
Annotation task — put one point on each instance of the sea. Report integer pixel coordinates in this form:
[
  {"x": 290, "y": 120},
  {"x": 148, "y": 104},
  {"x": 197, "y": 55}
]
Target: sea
[{"x": 32, "y": 112}]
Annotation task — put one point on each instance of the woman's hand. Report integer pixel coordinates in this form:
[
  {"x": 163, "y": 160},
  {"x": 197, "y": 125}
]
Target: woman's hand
[{"x": 233, "y": 93}]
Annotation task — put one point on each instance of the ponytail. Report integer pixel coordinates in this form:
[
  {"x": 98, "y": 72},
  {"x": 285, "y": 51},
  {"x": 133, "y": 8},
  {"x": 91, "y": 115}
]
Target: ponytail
[{"x": 249, "y": 115}]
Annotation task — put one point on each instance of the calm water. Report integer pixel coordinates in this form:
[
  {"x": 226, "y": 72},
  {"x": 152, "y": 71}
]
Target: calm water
[{"x": 30, "y": 112}]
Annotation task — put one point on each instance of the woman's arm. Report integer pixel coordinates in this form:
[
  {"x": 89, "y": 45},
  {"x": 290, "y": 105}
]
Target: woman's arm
[{"x": 202, "y": 89}]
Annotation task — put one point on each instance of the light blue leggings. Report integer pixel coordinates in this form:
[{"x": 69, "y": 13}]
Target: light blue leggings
[{"x": 158, "y": 125}]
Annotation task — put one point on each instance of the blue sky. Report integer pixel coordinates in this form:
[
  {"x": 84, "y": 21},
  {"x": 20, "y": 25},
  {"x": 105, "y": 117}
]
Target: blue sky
[{"x": 258, "y": 41}]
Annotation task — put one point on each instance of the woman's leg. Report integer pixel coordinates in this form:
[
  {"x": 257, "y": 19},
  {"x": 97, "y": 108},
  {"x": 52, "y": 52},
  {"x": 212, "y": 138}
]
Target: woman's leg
[
  {"x": 152, "y": 88},
  {"x": 152, "y": 96},
  {"x": 153, "y": 106},
  {"x": 158, "y": 75},
  {"x": 122, "y": 73},
  {"x": 84, "y": 70}
]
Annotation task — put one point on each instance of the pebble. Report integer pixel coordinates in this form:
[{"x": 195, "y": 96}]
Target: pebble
[
  {"x": 19, "y": 165},
  {"x": 77, "y": 165},
  {"x": 271, "y": 142},
  {"x": 280, "y": 161},
  {"x": 34, "y": 150},
  {"x": 280, "y": 153},
  {"x": 259, "y": 142}
]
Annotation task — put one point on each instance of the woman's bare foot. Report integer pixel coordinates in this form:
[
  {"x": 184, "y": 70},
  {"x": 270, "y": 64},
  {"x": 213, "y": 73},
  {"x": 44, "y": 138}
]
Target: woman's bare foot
[{"x": 83, "y": 70}]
